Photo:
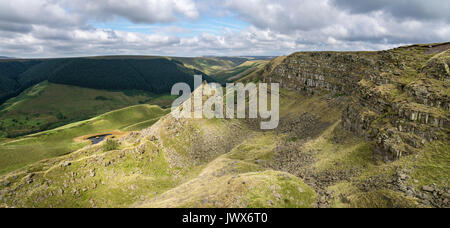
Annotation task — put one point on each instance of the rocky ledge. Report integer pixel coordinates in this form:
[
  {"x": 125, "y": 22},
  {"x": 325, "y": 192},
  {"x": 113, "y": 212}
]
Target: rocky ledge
[{"x": 400, "y": 97}]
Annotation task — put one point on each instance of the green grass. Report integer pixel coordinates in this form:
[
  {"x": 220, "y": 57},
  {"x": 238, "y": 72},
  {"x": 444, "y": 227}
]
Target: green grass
[
  {"x": 25, "y": 150},
  {"x": 259, "y": 148},
  {"x": 382, "y": 199},
  {"x": 110, "y": 145},
  {"x": 127, "y": 180},
  {"x": 279, "y": 190},
  {"x": 352, "y": 154},
  {"x": 47, "y": 106},
  {"x": 240, "y": 184},
  {"x": 185, "y": 163},
  {"x": 208, "y": 65},
  {"x": 239, "y": 72},
  {"x": 432, "y": 166},
  {"x": 233, "y": 179}
]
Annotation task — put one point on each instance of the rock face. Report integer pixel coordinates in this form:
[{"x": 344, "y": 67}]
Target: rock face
[{"x": 400, "y": 98}]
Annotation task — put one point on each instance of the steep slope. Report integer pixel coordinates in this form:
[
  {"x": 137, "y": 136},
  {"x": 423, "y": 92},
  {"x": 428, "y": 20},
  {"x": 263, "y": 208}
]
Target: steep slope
[
  {"x": 37, "y": 108},
  {"x": 239, "y": 71},
  {"x": 171, "y": 156},
  {"x": 152, "y": 74},
  {"x": 9, "y": 76},
  {"x": 215, "y": 163},
  {"x": 400, "y": 97},
  {"x": 46, "y": 106},
  {"x": 222, "y": 68}
]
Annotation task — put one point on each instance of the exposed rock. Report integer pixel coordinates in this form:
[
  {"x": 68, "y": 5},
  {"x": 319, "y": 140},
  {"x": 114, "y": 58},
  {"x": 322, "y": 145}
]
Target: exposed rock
[
  {"x": 428, "y": 189},
  {"x": 29, "y": 179},
  {"x": 92, "y": 173},
  {"x": 399, "y": 127}
]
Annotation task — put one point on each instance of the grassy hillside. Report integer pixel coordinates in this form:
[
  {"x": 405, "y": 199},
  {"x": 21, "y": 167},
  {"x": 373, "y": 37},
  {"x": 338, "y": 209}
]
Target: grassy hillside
[
  {"x": 256, "y": 75},
  {"x": 211, "y": 65},
  {"x": 309, "y": 161},
  {"x": 25, "y": 150},
  {"x": 9, "y": 77},
  {"x": 47, "y": 105},
  {"x": 152, "y": 74},
  {"x": 325, "y": 152},
  {"x": 176, "y": 163},
  {"x": 240, "y": 71},
  {"x": 224, "y": 69}
]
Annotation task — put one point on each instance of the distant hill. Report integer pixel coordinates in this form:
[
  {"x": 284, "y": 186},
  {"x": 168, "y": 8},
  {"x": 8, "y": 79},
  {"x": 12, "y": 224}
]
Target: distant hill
[
  {"x": 46, "y": 106},
  {"x": 149, "y": 73},
  {"x": 211, "y": 65},
  {"x": 242, "y": 59},
  {"x": 215, "y": 66},
  {"x": 152, "y": 74},
  {"x": 241, "y": 71},
  {"x": 260, "y": 57}
]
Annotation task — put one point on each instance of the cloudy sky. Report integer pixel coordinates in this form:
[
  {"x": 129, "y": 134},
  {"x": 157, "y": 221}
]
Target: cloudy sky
[{"x": 57, "y": 28}]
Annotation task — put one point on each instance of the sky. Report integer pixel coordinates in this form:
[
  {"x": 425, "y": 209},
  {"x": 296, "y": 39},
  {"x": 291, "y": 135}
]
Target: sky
[{"x": 67, "y": 28}]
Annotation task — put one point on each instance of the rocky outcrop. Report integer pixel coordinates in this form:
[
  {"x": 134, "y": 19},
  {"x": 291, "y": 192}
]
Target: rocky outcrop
[
  {"x": 309, "y": 72},
  {"x": 438, "y": 66},
  {"x": 400, "y": 98}
]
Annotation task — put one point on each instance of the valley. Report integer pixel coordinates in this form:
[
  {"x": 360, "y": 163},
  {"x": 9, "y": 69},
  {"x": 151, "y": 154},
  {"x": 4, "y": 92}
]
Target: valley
[
  {"x": 25, "y": 150},
  {"x": 46, "y": 106},
  {"x": 41, "y": 122},
  {"x": 47, "y": 98},
  {"x": 357, "y": 130}
]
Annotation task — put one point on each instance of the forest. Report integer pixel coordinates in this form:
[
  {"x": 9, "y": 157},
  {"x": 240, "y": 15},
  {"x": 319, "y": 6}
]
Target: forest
[{"x": 156, "y": 75}]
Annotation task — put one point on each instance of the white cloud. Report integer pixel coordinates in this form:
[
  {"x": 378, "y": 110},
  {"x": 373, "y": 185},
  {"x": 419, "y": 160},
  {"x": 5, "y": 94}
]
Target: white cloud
[
  {"x": 75, "y": 13},
  {"x": 374, "y": 22},
  {"x": 138, "y": 11},
  {"x": 411, "y": 9},
  {"x": 284, "y": 15},
  {"x": 54, "y": 28},
  {"x": 37, "y": 12}
]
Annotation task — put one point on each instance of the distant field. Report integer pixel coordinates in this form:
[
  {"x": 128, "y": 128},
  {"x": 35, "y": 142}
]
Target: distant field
[
  {"x": 225, "y": 69},
  {"x": 240, "y": 71},
  {"x": 211, "y": 65},
  {"x": 22, "y": 151},
  {"x": 47, "y": 105}
]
